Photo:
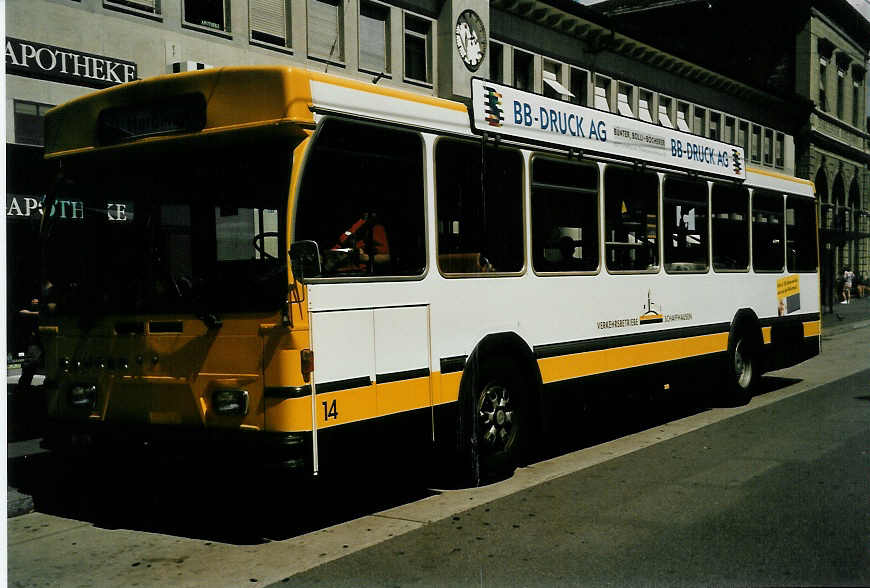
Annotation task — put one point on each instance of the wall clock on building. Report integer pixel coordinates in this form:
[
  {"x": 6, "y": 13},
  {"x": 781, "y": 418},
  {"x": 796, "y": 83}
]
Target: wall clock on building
[{"x": 470, "y": 39}]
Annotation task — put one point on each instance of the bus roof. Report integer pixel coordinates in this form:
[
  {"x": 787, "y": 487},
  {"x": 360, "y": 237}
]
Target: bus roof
[
  {"x": 228, "y": 98},
  {"x": 232, "y": 98},
  {"x": 778, "y": 182}
]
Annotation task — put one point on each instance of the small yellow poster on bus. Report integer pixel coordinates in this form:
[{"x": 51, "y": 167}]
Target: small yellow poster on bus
[{"x": 788, "y": 294}]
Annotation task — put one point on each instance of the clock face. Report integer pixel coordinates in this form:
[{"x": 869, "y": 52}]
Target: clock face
[{"x": 470, "y": 39}]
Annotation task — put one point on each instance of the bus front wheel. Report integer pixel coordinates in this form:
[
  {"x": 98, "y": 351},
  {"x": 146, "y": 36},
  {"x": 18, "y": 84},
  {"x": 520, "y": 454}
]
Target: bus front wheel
[{"x": 499, "y": 431}]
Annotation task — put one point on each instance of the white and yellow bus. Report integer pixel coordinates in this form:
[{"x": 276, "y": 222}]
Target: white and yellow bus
[{"x": 289, "y": 267}]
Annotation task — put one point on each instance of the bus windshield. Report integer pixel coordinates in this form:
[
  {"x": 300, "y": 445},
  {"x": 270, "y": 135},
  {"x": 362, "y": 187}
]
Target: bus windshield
[{"x": 195, "y": 230}]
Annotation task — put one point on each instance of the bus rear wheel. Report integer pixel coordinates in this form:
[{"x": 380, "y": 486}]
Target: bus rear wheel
[{"x": 743, "y": 369}]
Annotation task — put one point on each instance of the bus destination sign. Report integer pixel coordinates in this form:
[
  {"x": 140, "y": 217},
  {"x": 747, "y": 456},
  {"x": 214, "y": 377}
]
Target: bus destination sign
[{"x": 512, "y": 113}]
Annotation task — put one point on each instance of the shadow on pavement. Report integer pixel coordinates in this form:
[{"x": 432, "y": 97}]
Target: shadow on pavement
[
  {"x": 161, "y": 494},
  {"x": 601, "y": 414},
  {"x": 170, "y": 497}
]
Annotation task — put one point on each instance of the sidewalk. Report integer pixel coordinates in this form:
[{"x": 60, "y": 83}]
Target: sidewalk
[{"x": 846, "y": 317}]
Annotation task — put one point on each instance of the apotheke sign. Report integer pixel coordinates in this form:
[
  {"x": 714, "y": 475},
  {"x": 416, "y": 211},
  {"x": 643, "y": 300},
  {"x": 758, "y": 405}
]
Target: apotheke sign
[{"x": 36, "y": 60}]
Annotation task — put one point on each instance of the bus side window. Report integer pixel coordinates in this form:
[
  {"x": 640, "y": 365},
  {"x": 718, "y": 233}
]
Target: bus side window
[
  {"x": 478, "y": 233},
  {"x": 800, "y": 234},
  {"x": 362, "y": 200},
  {"x": 631, "y": 220},
  {"x": 767, "y": 231},
  {"x": 730, "y": 227},
  {"x": 685, "y": 219},
  {"x": 564, "y": 216}
]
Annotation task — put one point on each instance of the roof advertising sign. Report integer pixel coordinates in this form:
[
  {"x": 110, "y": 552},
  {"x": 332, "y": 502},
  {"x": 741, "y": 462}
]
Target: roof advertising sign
[{"x": 524, "y": 116}]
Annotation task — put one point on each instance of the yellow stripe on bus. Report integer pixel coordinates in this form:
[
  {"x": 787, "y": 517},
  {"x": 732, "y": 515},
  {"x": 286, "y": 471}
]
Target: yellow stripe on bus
[
  {"x": 812, "y": 328},
  {"x": 358, "y": 404},
  {"x": 555, "y": 369},
  {"x": 780, "y": 176}
]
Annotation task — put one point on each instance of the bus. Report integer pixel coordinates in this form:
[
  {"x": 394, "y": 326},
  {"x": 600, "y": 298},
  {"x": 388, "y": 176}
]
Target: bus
[{"x": 288, "y": 268}]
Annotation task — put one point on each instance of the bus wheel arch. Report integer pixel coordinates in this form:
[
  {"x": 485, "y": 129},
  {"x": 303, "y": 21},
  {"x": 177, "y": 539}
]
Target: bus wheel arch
[
  {"x": 744, "y": 357},
  {"x": 499, "y": 408}
]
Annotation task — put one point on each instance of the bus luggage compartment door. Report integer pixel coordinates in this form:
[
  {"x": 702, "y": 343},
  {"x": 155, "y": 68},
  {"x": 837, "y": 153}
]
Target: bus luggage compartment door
[{"x": 371, "y": 381}]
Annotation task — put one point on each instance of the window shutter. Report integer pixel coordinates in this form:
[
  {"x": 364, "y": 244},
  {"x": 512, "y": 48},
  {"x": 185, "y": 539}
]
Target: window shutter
[
  {"x": 324, "y": 29},
  {"x": 372, "y": 43},
  {"x": 269, "y": 17}
]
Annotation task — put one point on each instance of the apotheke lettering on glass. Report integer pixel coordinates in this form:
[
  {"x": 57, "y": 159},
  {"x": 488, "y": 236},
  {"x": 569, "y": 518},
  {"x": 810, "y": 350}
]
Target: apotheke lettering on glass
[{"x": 27, "y": 207}]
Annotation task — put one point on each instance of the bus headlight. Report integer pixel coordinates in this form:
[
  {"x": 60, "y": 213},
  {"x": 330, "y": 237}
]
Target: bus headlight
[
  {"x": 83, "y": 396},
  {"x": 230, "y": 402}
]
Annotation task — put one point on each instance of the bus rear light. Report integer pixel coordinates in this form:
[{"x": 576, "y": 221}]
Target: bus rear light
[
  {"x": 230, "y": 402},
  {"x": 307, "y": 363},
  {"x": 83, "y": 396}
]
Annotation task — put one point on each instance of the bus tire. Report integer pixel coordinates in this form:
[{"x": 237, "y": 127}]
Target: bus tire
[
  {"x": 496, "y": 424},
  {"x": 744, "y": 367}
]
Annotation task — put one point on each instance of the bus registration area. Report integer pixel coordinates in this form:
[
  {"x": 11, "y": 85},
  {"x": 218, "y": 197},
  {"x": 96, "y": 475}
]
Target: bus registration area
[{"x": 505, "y": 111}]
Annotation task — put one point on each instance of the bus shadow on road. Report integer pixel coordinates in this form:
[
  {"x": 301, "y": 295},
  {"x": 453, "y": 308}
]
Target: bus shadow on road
[
  {"x": 187, "y": 500},
  {"x": 169, "y": 496},
  {"x": 599, "y": 413}
]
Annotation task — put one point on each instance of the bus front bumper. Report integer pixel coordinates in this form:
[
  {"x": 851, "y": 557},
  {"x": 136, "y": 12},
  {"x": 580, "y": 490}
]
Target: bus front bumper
[{"x": 227, "y": 448}]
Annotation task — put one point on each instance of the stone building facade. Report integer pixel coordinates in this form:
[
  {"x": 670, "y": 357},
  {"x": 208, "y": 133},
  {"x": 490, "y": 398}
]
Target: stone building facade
[{"x": 816, "y": 56}]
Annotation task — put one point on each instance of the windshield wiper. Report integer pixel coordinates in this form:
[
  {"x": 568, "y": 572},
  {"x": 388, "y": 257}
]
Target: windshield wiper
[{"x": 185, "y": 288}]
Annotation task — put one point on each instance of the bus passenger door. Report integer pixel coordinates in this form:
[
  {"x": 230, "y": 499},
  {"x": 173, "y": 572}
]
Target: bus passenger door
[
  {"x": 371, "y": 381},
  {"x": 402, "y": 374}
]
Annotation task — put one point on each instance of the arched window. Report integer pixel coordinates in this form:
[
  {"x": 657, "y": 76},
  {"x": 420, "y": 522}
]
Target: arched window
[
  {"x": 823, "y": 196},
  {"x": 838, "y": 196},
  {"x": 853, "y": 205}
]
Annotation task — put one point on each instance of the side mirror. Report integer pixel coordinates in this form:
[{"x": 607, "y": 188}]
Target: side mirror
[{"x": 304, "y": 260}]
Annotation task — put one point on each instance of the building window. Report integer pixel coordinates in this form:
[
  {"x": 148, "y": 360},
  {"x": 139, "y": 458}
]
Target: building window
[
  {"x": 552, "y": 78},
  {"x": 728, "y": 130},
  {"x": 715, "y": 126},
  {"x": 841, "y": 91},
  {"x": 700, "y": 120},
  {"x": 30, "y": 122},
  {"x": 374, "y": 37},
  {"x": 212, "y": 14},
  {"x": 418, "y": 49},
  {"x": 743, "y": 137},
  {"x": 523, "y": 70},
  {"x": 645, "y": 110},
  {"x": 496, "y": 62},
  {"x": 779, "y": 150},
  {"x": 823, "y": 78},
  {"x": 602, "y": 93},
  {"x": 150, "y": 6},
  {"x": 756, "y": 144},
  {"x": 326, "y": 30},
  {"x": 270, "y": 22},
  {"x": 580, "y": 86},
  {"x": 625, "y": 99},
  {"x": 856, "y": 103},
  {"x": 665, "y": 112},
  {"x": 768, "y": 147},
  {"x": 683, "y": 117}
]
